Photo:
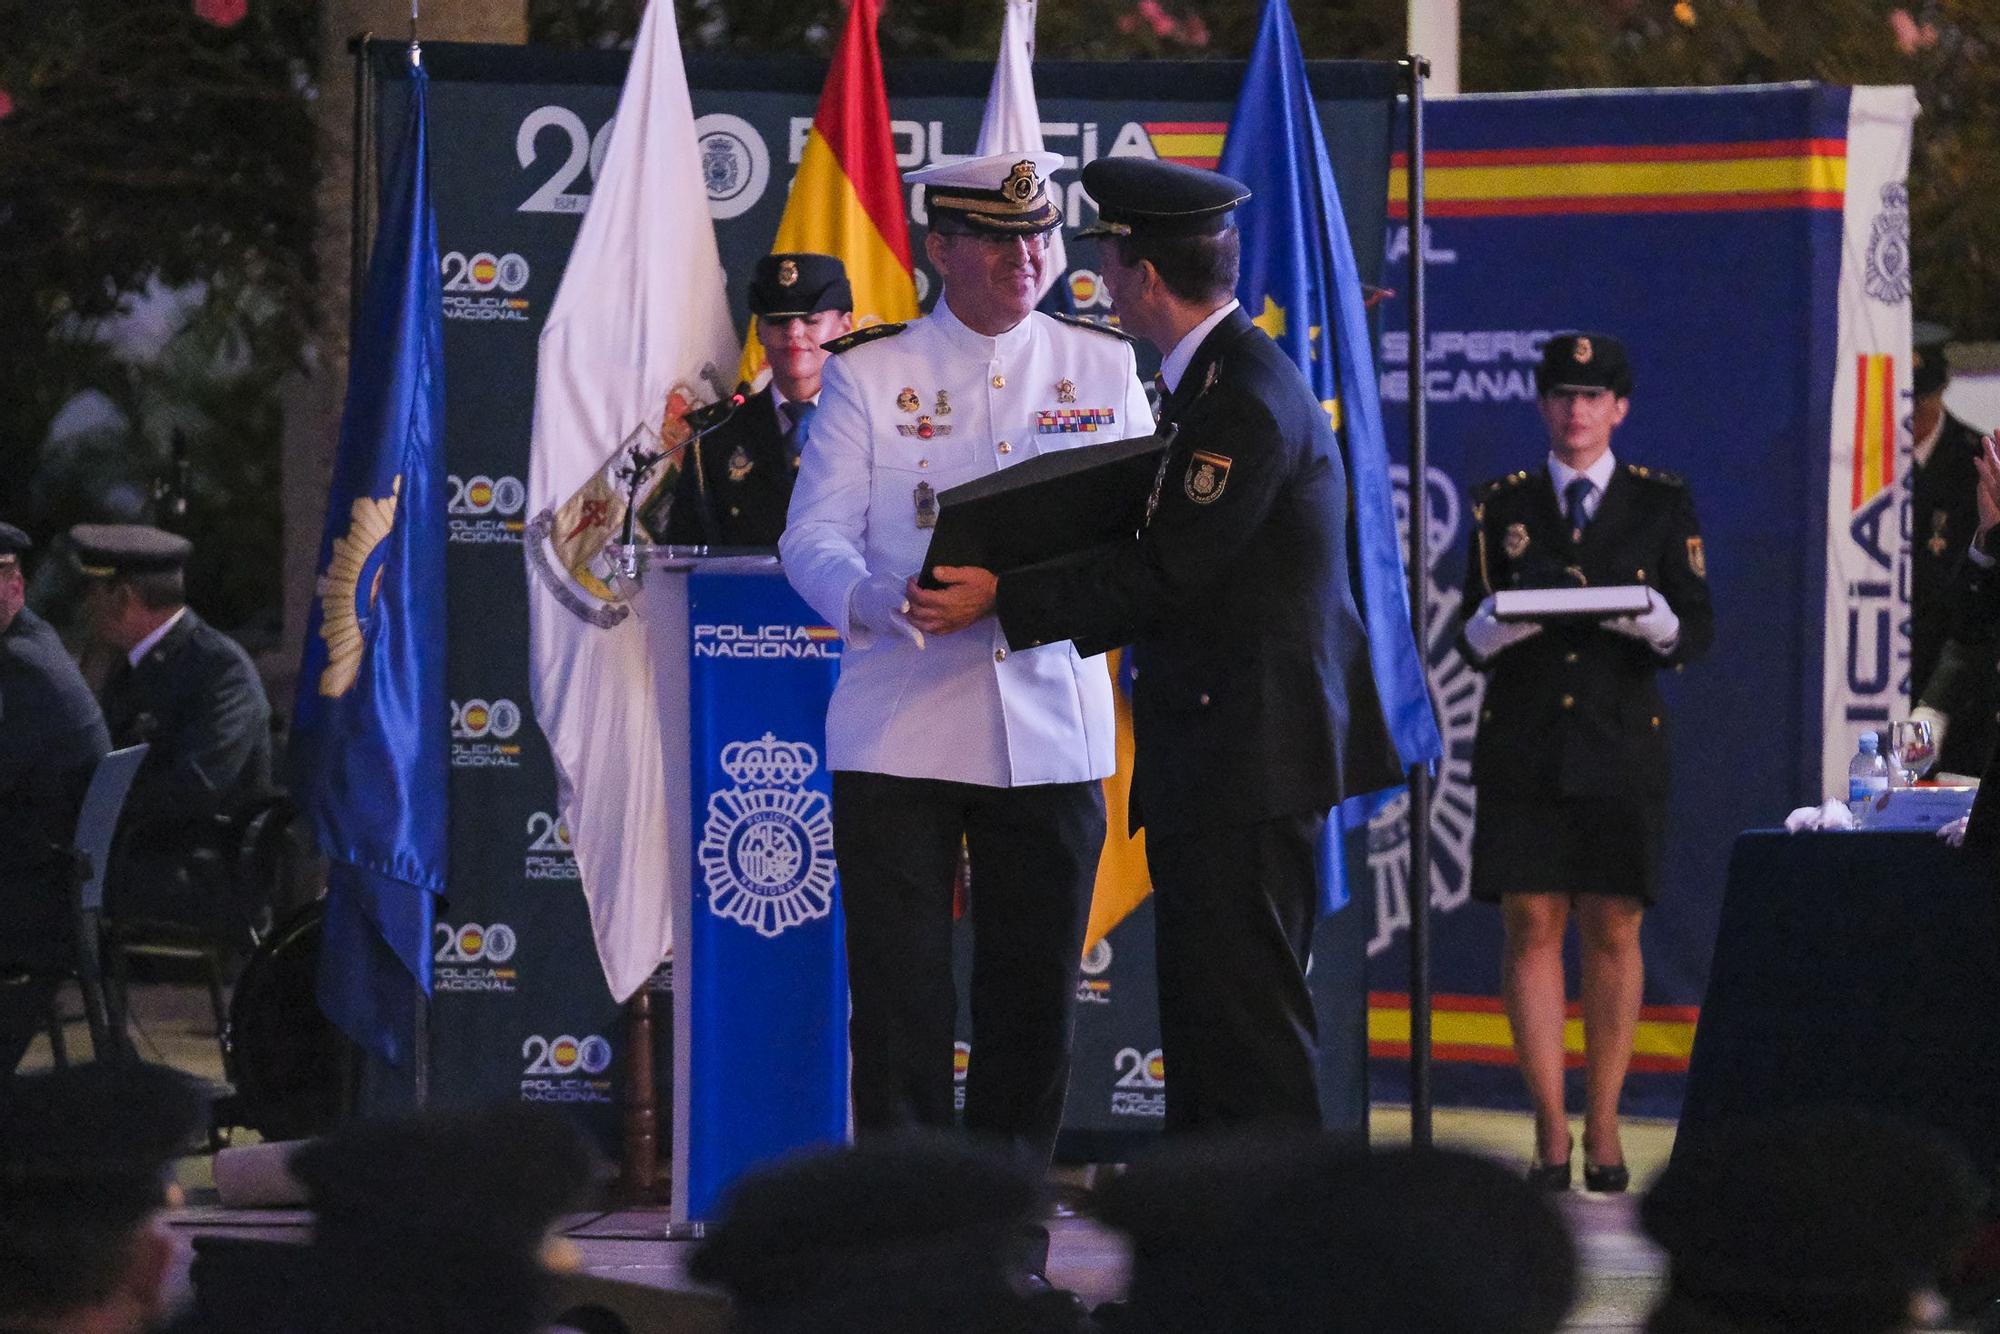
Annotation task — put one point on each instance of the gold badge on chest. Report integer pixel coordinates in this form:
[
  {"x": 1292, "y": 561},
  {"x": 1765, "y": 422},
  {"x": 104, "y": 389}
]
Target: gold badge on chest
[
  {"x": 908, "y": 400},
  {"x": 739, "y": 465},
  {"x": 925, "y": 499},
  {"x": 1516, "y": 540},
  {"x": 1065, "y": 390},
  {"x": 1939, "y": 543}
]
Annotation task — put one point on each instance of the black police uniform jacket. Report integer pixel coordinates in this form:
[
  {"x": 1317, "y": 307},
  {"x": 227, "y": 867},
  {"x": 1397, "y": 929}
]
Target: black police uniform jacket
[
  {"x": 738, "y": 495},
  {"x": 1253, "y": 697},
  {"x": 1944, "y": 512},
  {"x": 1575, "y": 711},
  {"x": 51, "y": 737},
  {"x": 1964, "y": 685},
  {"x": 197, "y": 701}
]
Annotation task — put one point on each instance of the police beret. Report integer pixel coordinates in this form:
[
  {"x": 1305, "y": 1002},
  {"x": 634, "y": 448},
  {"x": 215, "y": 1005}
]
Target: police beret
[
  {"x": 1584, "y": 361},
  {"x": 13, "y": 542},
  {"x": 1932, "y": 364},
  {"x": 1004, "y": 193},
  {"x": 107, "y": 550},
  {"x": 1139, "y": 196},
  {"x": 1439, "y": 1241},
  {"x": 96, "y": 1137},
  {"x": 796, "y": 285},
  {"x": 852, "y": 1235},
  {"x": 485, "y": 1182},
  {"x": 1828, "y": 1204}
]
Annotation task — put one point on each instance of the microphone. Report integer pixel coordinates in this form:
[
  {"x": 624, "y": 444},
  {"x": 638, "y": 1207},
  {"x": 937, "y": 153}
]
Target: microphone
[{"x": 705, "y": 419}]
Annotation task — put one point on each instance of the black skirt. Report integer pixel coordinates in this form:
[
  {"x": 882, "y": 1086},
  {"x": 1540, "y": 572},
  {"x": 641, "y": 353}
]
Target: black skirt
[{"x": 1568, "y": 845}]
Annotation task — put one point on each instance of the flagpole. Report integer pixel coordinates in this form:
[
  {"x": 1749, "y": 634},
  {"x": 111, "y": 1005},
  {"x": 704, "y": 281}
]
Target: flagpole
[{"x": 1415, "y": 68}]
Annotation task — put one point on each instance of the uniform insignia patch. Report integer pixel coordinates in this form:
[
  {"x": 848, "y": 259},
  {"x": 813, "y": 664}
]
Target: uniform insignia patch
[
  {"x": 739, "y": 465},
  {"x": 1207, "y": 475},
  {"x": 1516, "y": 540},
  {"x": 924, "y": 428},
  {"x": 927, "y": 507},
  {"x": 1696, "y": 560},
  {"x": 943, "y": 408},
  {"x": 908, "y": 400},
  {"x": 1065, "y": 390}
]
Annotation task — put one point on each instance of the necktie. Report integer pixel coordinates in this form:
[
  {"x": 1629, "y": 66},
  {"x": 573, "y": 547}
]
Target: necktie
[
  {"x": 798, "y": 424},
  {"x": 1575, "y": 494}
]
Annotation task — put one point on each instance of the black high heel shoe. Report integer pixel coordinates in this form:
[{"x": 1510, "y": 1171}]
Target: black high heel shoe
[
  {"x": 1553, "y": 1176},
  {"x": 1611, "y": 1180}
]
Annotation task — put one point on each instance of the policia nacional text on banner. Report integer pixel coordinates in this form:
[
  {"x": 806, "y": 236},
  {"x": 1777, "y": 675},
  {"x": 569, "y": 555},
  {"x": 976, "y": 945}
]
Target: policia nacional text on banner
[{"x": 1750, "y": 246}]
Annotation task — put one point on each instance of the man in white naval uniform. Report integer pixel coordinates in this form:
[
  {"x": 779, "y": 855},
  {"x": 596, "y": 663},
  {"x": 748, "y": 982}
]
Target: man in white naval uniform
[{"x": 959, "y": 737}]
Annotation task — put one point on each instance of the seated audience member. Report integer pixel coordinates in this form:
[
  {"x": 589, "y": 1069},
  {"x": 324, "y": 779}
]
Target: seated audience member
[
  {"x": 85, "y": 1154},
  {"x": 188, "y": 691},
  {"x": 51, "y": 738},
  {"x": 437, "y": 1223},
  {"x": 1289, "y": 1235},
  {"x": 1819, "y": 1221},
  {"x": 903, "y": 1235}
]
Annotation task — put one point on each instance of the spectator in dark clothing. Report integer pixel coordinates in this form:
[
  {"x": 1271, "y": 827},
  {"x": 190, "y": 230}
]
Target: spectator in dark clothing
[
  {"x": 1812, "y": 1221},
  {"x": 85, "y": 1154},
  {"x": 52, "y": 735}
]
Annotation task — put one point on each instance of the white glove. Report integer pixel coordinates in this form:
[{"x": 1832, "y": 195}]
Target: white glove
[
  {"x": 877, "y": 605},
  {"x": 1954, "y": 833},
  {"x": 1488, "y": 634},
  {"x": 1657, "y": 625}
]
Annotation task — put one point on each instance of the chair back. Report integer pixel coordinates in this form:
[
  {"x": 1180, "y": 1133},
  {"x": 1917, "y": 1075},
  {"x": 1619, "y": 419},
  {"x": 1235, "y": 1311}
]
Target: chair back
[{"x": 98, "y": 822}]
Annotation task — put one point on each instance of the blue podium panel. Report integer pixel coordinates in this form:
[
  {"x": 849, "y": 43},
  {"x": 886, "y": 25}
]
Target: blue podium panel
[{"x": 761, "y": 971}]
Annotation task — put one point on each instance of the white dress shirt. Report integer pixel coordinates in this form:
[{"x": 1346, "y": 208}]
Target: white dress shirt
[
  {"x": 965, "y": 707},
  {"x": 1175, "y": 364},
  {"x": 1599, "y": 473},
  {"x": 145, "y": 646}
]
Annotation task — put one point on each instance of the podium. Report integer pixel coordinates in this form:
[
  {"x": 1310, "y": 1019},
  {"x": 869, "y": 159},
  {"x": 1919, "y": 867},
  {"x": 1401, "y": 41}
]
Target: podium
[{"x": 759, "y": 966}]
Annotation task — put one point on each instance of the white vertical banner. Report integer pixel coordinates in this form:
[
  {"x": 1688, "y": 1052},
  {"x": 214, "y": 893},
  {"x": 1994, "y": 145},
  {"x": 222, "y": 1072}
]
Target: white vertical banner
[
  {"x": 639, "y": 335},
  {"x": 1013, "y": 121},
  {"x": 1868, "y": 477}
]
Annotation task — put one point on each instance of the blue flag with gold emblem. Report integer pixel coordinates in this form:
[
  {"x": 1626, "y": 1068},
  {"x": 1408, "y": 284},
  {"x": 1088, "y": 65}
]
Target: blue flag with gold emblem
[
  {"x": 1301, "y": 286},
  {"x": 369, "y": 745}
]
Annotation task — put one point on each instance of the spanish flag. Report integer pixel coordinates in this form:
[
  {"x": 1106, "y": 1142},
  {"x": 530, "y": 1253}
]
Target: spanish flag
[{"x": 847, "y": 200}]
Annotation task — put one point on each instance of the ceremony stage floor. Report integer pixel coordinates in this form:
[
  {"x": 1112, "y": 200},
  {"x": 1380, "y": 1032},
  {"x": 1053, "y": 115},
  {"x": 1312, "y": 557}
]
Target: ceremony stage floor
[{"x": 1622, "y": 1272}]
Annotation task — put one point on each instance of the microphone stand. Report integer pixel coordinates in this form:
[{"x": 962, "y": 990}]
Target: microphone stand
[{"x": 639, "y": 465}]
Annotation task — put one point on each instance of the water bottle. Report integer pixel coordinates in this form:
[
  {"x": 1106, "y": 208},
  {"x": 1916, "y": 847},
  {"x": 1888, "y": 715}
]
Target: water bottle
[{"x": 1867, "y": 779}]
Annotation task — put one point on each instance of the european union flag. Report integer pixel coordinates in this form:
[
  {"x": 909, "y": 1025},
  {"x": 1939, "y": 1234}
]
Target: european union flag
[
  {"x": 1300, "y": 285},
  {"x": 369, "y": 743}
]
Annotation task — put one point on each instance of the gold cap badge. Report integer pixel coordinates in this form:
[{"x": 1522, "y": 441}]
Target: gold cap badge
[
  {"x": 788, "y": 273},
  {"x": 1582, "y": 352}
]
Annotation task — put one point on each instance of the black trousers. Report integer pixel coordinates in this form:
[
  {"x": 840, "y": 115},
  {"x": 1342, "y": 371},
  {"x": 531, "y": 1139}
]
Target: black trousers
[
  {"x": 1034, "y": 853},
  {"x": 1233, "y": 912}
]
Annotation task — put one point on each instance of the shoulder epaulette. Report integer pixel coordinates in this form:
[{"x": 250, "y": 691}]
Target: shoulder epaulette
[
  {"x": 1641, "y": 471},
  {"x": 1499, "y": 484},
  {"x": 1092, "y": 325},
  {"x": 867, "y": 333}
]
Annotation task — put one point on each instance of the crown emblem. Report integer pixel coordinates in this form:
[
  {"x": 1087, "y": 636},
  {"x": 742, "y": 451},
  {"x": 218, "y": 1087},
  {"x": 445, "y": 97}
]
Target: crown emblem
[
  {"x": 768, "y": 761},
  {"x": 1021, "y": 183}
]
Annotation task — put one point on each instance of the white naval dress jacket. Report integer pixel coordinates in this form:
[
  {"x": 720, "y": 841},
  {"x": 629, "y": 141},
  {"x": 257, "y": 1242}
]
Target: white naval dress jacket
[{"x": 964, "y": 708}]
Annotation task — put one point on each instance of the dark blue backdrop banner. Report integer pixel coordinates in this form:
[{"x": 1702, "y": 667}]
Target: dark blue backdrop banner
[
  {"x": 1703, "y": 228},
  {"x": 762, "y": 1026},
  {"x": 521, "y": 1008}
]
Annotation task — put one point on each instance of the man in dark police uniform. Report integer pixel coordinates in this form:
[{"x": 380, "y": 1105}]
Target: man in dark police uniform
[
  {"x": 187, "y": 690},
  {"x": 51, "y": 738},
  {"x": 1571, "y": 755},
  {"x": 1254, "y": 712},
  {"x": 736, "y": 482}
]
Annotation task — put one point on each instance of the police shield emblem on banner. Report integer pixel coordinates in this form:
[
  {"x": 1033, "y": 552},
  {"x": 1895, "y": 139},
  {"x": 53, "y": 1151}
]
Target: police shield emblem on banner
[{"x": 767, "y": 848}]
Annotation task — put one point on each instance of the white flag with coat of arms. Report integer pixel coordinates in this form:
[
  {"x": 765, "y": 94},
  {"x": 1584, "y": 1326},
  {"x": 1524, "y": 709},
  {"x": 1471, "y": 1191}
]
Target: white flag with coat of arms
[
  {"x": 639, "y": 334},
  {"x": 1012, "y": 122}
]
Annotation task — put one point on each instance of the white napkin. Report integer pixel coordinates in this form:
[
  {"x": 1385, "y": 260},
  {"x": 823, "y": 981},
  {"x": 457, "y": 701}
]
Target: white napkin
[{"x": 1829, "y": 814}]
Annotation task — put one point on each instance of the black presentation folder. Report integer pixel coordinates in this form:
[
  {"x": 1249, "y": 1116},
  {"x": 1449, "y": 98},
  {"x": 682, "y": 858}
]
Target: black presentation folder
[{"x": 1054, "y": 505}]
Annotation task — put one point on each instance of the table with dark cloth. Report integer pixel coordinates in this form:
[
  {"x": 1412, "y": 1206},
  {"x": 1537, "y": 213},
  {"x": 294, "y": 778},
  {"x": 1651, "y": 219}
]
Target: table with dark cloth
[{"x": 1854, "y": 968}]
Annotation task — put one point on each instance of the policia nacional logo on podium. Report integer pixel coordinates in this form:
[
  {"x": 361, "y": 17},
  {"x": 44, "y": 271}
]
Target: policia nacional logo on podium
[{"x": 767, "y": 846}]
